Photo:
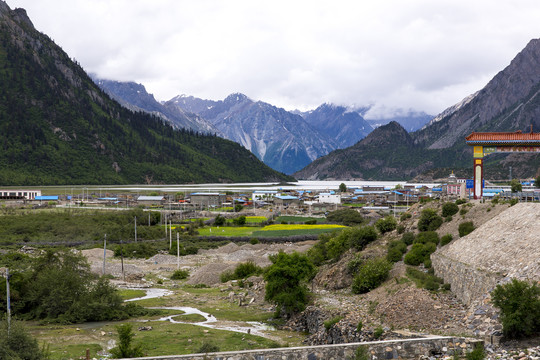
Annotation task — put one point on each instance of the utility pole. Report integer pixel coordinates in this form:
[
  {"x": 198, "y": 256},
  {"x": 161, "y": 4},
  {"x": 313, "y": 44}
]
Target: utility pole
[
  {"x": 104, "y": 252},
  {"x": 177, "y": 250},
  {"x": 122, "y": 257},
  {"x": 135, "y": 229},
  {"x": 170, "y": 234},
  {"x": 8, "y": 301},
  {"x": 148, "y": 218}
]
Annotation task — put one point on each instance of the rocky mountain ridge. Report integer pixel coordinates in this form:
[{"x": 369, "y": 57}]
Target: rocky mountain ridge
[{"x": 509, "y": 102}]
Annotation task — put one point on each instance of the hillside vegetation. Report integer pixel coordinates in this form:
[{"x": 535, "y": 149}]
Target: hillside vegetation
[{"x": 58, "y": 127}]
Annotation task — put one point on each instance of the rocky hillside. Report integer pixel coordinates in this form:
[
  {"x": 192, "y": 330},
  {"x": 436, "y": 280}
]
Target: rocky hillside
[
  {"x": 135, "y": 97},
  {"x": 58, "y": 127},
  {"x": 386, "y": 153},
  {"x": 345, "y": 127},
  {"x": 509, "y": 102}
]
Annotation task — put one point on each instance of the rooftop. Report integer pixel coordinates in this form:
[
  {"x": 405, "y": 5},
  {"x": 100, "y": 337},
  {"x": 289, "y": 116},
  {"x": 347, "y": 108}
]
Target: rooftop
[{"x": 517, "y": 138}]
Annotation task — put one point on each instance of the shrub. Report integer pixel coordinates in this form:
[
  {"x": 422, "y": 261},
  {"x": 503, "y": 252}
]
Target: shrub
[
  {"x": 253, "y": 241},
  {"x": 427, "y": 236},
  {"x": 394, "y": 255},
  {"x": 400, "y": 245},
  {"x": 207, "y": 347},
  {"x": 418, "y": 253},
  {"x": 347, "y": 217},
  {"x": 408, "y": 238},
  {"x": 449, "y": 209},
  {"x": 466, "y": 228},
  {"x": 400, "y": 229},
  {"x": 519, "y": 303},
  {"x": 446, "y": 239},
  {"x": 378, "y": 332},
  {"x": 360, "y": 237},
  {"x": 460, "y": 201},
  {"x": 180, "y": 275},
  {"x": 386, "y": 224},
  {"x": 362, "y": 353},
  {"x": 124, "y": 348},
  {"x": 239, "y": 221},
  {"x": 463, "y": 211},
  {"x": 424, "y": 280},
  {"x": 319, "y": 252},
  {"x": 219, "y": 220},
  {"x": 331, "y": 322},
  {"x": 429, "y": 220},
  {"x": 405, "y": 216},
  {"x": 513, "y": 202},
  {"x": 241, "y": 271},
  {"x": 19, "y": 344},
  {"x": 285, "y": 281},
  {"x": 359, "y": 326},
  {"x": 137, "y": 250},
  {"x": 355, "y": 264},
  {"x": 477, "y": 354},
  {"x": 370, "y": 275},
  {"x": 311, "y": 222}
]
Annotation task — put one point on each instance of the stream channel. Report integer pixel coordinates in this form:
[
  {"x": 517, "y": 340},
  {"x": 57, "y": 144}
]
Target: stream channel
[{"x": 251, "y": 327}]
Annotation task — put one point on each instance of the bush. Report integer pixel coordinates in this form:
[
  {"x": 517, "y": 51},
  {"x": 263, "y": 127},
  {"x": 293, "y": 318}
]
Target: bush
[
  {"x": 360, "y": 237},
  {"x": 136, "y": 250},
  {"x": 446, "y": 239},
  {"x": 429, "y": 220},
  {"x": 311, "y": 222},
  {"x": 239, "y": 221},
  {"x": 219, "y": 220},
  {"x": 418, "y": 253},
  {"x": 19, "y": 344},
  {"x": 355, "y": 264},
  {"x": 207, "y": 347},
  {"x": 362, "y": 353},
  {"x": 465, "y": 228},
  {"x": 394, "y": 255},
  {"x": 359, "y": 326},
  {"x": 405, "y": 216},
  {"x": 449, "y": 209},
  {"x": 124, "y": 348},
  {"x": 242, "y": 271},
  {"x": 463, "y": 211},
  {"x": 329, "y": 323},
  {"x": 378, "y": 332},
  {"x": 347, "y": 217},
  {"x": 427, "y": 236},
  {"x": 477, "y": 354},
  {"x": 386, "y": 224},
  {"x": 319, "y": 252},
  {"x": 370, "y": 275},
  {"x": 254, "y": 241},
  {"x": 400, "y": 245},
  {"x": 408, "y": 238},
  {"x": 400, "y": 229},
  {"x": 285, "y": 281},
  {"x": 519, "y": 303},
  {"x": 424, "y": 280},
  {"x": 180, "y": 275},
  {"x": 460, "y": 201}
]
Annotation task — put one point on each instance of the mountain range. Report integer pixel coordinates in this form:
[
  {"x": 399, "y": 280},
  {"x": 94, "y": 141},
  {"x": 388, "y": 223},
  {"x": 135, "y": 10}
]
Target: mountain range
[
  {"x": 58, "y": 127},
  {"x": 284, "y": 140},
  {"x": 509, "y": 102}
]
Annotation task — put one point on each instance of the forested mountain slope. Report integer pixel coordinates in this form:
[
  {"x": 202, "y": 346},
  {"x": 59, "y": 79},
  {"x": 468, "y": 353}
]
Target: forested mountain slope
[{"x": 58, "y": 127}]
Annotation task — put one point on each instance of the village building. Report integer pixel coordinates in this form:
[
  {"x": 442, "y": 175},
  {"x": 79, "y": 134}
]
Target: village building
[
  {"x": 208, "y": 199},
  {"x": 329, "y": 198},
  {"x": 17, "y": 194},
  {"x": 151, "y": 200}
]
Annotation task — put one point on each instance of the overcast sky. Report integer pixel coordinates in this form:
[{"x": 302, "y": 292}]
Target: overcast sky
[{"x": 424, "y": 55}]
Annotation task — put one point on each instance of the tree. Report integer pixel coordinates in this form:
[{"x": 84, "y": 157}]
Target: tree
[
  {"x": 519, "y": 302},
  {"x": 346, "y": 217},
  {"x": 124, "y": 348},
  {"x": 19, "y": 344},
  {"x": 285, "y": 282},
  {"x": 516, "y": 186},
  {"x": 342, "y": 187},
  {"x": 219, "y": 220},
  {"x": 537, "y": 182}
]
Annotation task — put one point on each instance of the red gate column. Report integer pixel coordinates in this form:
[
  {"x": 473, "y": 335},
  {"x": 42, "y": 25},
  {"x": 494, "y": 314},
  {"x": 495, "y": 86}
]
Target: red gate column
[{"x": 478, "y": 171}]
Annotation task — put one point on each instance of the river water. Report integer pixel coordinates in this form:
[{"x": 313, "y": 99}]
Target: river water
[{"x": 210, "y": 321}]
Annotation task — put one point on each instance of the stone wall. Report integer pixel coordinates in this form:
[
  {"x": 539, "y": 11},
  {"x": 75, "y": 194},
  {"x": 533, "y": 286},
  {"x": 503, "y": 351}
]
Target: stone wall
[
  {"x": 467, "y": 283},
  {"x": 389, "y": 349}
]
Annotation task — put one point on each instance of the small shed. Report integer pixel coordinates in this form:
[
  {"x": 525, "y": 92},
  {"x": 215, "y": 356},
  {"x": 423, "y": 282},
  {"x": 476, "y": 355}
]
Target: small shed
[{"x": 151, "y": 200}]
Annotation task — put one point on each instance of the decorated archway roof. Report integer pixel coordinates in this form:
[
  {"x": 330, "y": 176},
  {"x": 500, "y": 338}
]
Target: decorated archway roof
[{"x": 503, "y": 138}]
